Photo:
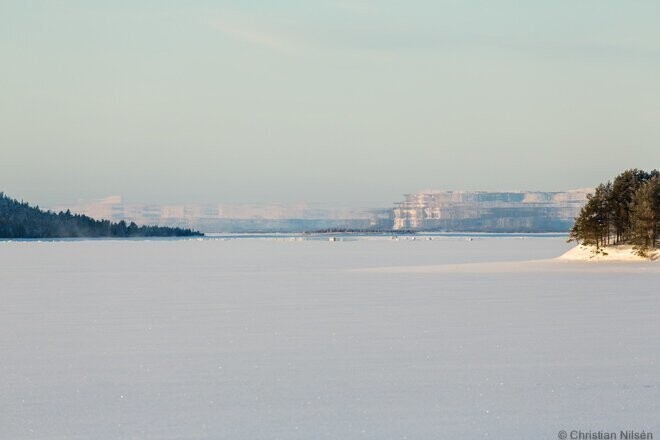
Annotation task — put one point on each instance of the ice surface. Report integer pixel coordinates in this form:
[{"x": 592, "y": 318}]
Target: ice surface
[{"x": 296, "y": 339}]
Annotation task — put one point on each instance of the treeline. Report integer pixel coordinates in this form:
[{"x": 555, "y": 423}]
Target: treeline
[
  {"x": 623, "y": 211},
  {"x": 20, "y": 220}
]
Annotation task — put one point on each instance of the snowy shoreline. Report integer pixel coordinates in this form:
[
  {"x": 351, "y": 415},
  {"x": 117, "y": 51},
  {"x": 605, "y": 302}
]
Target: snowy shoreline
[
  {"x": 577, "y": 259},
  {"x": 619, "y": 254}
]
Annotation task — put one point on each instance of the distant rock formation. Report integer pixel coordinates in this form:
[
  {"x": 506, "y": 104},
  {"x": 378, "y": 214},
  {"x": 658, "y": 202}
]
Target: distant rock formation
[
  {"x": 236, "y": 218},
  {"x": 514, "y": 211},
  {"x": 464, "y": 211}
]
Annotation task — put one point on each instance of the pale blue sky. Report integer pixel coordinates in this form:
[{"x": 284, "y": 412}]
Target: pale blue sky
[{"x": 343, "y": 102}]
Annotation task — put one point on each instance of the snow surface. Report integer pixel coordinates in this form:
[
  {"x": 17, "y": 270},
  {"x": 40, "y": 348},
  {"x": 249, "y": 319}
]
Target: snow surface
[
  {"x": 608, "y": 253},
  {"x": 310, "y": 339}
]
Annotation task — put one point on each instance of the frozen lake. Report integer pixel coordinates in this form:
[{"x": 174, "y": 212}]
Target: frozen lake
[{"x": 288, "y": 339}]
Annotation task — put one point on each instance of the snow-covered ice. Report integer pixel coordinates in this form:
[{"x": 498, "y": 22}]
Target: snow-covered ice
[{"x": 311, "y": 339}]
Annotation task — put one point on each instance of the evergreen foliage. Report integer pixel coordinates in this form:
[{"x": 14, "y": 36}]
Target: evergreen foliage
[
  {"x": 625, "y": 211},
  {"x": 645, "y": 215},
  {"x": 20, "y": 220}
]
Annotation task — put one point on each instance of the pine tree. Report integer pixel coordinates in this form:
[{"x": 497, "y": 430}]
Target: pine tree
[
  {"x": 20, "y": 220},
  {"x": 625, "y": 211},
  {"x": 645, "y": 216},
  {"x": 623, "y": 191},
  {"x": 591, "y": 226}
]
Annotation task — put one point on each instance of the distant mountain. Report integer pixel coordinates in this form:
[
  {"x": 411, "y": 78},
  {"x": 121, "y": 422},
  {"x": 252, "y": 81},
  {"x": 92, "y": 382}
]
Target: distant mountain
[{"x": 20, "y": 220}]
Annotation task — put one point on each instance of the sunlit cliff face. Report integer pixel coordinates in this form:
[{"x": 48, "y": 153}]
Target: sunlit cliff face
[{"x": 514, "y": 211}]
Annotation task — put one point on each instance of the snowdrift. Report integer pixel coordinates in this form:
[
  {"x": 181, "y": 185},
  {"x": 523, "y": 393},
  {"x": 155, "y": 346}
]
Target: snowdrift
[{"x": 623, "y": 253}]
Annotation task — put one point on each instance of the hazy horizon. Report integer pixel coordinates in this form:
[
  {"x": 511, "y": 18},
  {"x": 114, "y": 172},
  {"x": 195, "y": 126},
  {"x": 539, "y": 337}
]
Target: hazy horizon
[
  {"x": 344, "y": 103},
  {"x": 322, "y": 204}
]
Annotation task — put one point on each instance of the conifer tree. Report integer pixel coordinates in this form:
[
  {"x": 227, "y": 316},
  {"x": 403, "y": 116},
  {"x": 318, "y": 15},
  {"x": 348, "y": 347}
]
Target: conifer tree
[
  {"x": 20, "y": 220},
  {"x": 623, "y": 191},
  {"x": 591, "y": 225},
  {"x": 626, "y": 211},
  {"x": 645, "y": 216}
]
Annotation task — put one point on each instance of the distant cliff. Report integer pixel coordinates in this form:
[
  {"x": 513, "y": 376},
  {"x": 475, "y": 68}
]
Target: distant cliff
[
  {"x": 515, "y": 211},
  {"x": 466, "y": 211},
  {"x": 20, "y": 220},
  {"x": 216, "y": 217}
]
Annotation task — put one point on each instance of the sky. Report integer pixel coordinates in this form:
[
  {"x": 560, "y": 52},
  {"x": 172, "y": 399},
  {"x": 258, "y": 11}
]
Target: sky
[{"x": 351, "y": 103}]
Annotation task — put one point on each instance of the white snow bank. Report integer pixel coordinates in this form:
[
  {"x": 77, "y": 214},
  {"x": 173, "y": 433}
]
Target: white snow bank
[
  {"x": 621, "y": 253},
  {"x": 556, "y": 265},
  {"x": 577, "y": 259}
]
